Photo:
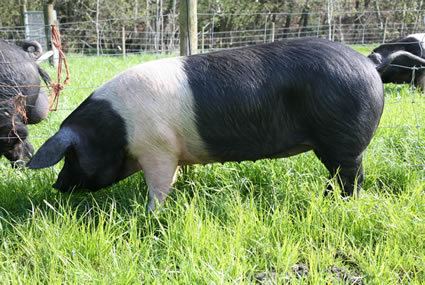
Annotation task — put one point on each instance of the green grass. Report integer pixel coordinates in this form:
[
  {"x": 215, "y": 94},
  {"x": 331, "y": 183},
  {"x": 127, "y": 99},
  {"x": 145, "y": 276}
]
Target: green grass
[
  {"x": 231, "y": 223},
  {"x": 364, "y": 49}
]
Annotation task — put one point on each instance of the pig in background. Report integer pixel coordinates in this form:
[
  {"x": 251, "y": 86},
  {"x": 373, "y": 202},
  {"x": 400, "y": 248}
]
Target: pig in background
[
  {"x": 22, "y": 101},
  {"x": 401, "y": 60},
  {"x": 266, "y": 101}
]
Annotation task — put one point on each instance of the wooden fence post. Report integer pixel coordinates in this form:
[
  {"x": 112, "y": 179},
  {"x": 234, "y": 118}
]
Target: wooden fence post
[
  {"x": 212, "y": 32},
  {"x": 23, "y": 12},
  {"x": 188, "y": 22},
  {"x": 188, "y": 27},
  {"x": 51, "y": 19},
  {"x": 318, "y": 26},
  {"x": 273, "y": 32}
]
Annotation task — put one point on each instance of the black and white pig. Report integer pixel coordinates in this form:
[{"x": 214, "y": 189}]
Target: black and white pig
[
  {"x": 266, "y": 101},
  {"x": 22, "y": 101},
  {"x": 402, "y": 60}
]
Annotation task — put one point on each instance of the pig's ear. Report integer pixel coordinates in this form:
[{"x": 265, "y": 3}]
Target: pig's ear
[
  {"x": 39, "y": 110},
  {"x": 53, "y": 150},
  {"x": 402, "y": 60}
]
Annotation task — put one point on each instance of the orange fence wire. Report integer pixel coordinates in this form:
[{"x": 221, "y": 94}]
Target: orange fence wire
[{"x": 58, "y": 86}]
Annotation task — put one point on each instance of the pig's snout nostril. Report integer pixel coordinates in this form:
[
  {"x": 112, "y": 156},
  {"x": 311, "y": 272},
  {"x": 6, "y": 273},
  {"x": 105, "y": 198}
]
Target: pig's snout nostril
[{"x": 18, "y": 163}]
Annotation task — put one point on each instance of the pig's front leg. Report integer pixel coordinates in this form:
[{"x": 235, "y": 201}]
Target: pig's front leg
[{"x": 160, "y": 171}]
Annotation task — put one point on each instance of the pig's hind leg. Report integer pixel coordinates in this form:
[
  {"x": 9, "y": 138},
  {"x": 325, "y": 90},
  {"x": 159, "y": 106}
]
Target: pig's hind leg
[{"x": 347, "y": 169}]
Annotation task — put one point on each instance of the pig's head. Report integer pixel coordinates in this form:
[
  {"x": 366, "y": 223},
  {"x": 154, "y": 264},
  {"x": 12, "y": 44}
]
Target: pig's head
[
  {"x": 412, "y": 44},
  {"x": 21, "y": 99},
  {"x": 93, "y": 142},
  {"x": 13, "y": 139},
  {"x": 16, "y": 113},
  {"x": 401, "y": 60},
  {"x": 383, "y": 51}
]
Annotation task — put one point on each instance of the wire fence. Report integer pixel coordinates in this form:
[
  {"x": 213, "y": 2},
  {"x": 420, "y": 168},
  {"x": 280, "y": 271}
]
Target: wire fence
[
  {"x": 123, "y": 42},
  {"x": 153, "y": 34}
]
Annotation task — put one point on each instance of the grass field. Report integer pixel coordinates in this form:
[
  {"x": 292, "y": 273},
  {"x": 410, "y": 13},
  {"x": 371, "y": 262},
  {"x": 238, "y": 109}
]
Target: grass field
[{"x": 265, "y": 222}]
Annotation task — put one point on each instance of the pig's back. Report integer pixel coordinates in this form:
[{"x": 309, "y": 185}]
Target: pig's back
[{"x": 263, "y": 101}]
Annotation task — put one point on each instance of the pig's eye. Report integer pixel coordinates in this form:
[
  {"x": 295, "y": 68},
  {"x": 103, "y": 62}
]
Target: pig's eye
[
  {"x": 8, "y": 143},
  {"x": 11, "y": 136},
  {"x": 11, "y": 141}
]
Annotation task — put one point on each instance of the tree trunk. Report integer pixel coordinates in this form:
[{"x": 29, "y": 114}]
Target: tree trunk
[
  {"x": 404, "y": 20},
  {"x": 356, "y": 20},
  {"x": 330, "y": 8},
  {"x": 136, "y": 14},
  {"x": 378, "y": 14},
  {"x": 157, "y": 27},
  {"x": 303, "y": 23},
  {"x": 147, "y": 26},
  {"x": 341, "y": 32},
  {"x": 173, "y": 25},
  {"x": 97, "y": 29},
  {"x": 418, "y": 16},
  {"x": 288, "y": 18}
]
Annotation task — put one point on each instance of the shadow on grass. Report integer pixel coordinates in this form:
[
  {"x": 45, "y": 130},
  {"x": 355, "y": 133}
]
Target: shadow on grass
[
  {"x": 267, "y": 185},
  {"x": 27, "y": 191}
]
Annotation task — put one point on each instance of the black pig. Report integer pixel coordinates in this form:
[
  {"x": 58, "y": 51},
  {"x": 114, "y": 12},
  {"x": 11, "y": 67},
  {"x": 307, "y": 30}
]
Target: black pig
[
  {"x": 401, "y": 60},
  {"x": 22, "y": 101}
]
